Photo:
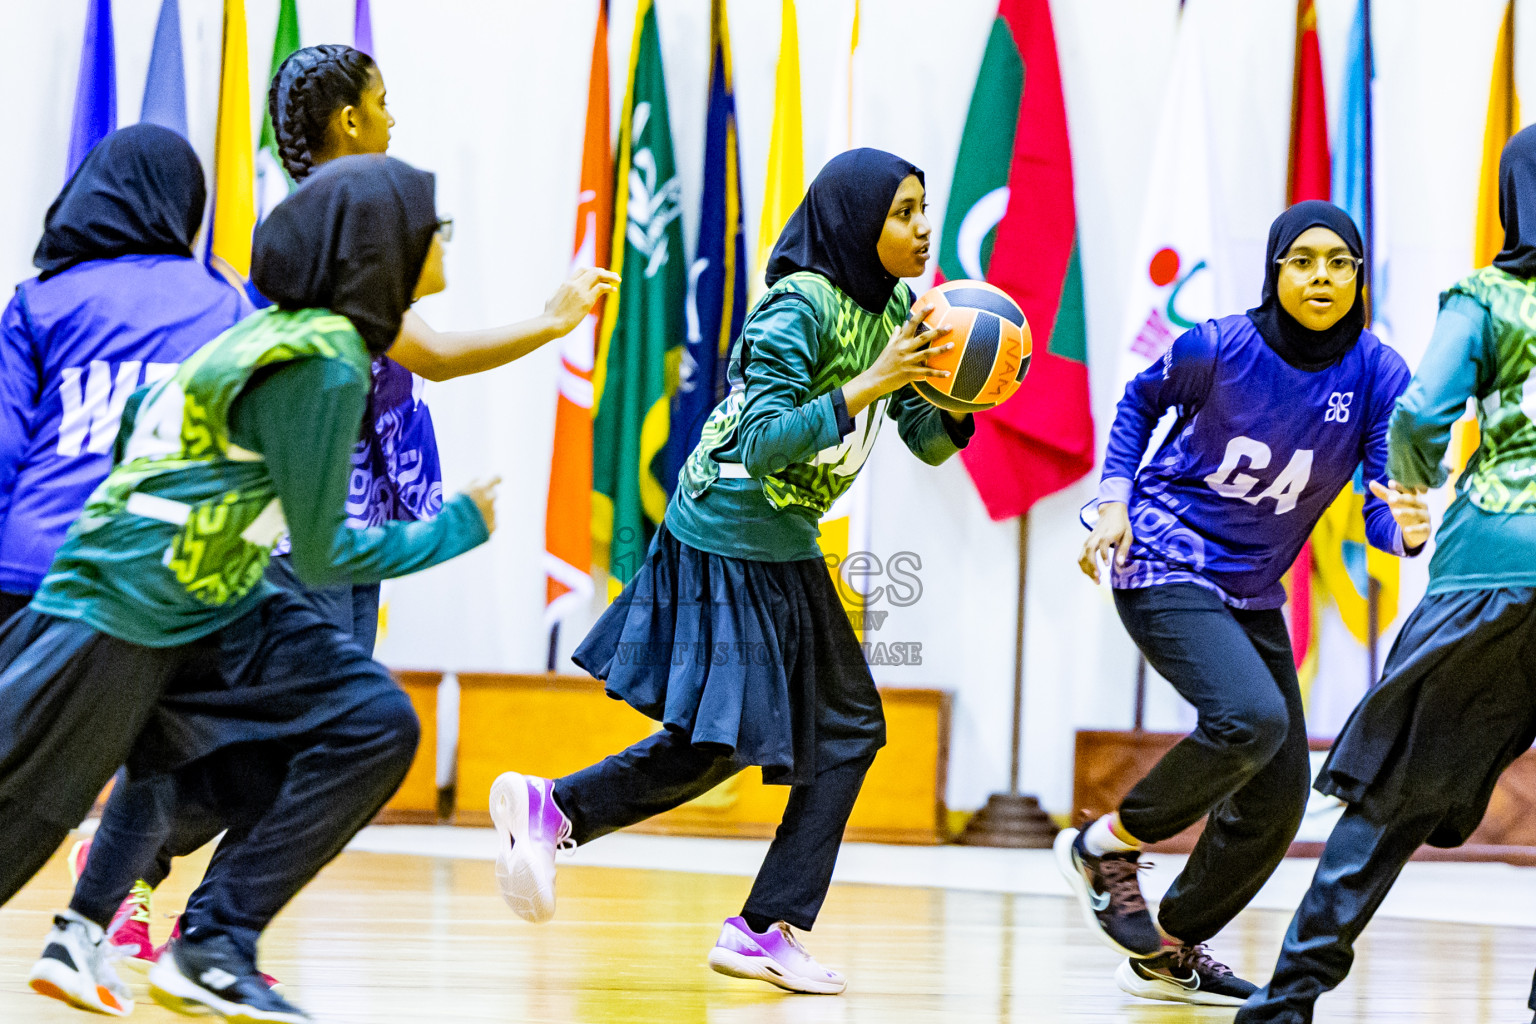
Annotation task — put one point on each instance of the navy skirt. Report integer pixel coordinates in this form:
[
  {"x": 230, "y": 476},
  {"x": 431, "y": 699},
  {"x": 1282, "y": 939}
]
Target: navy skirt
[
  {"x": 1456, "y": 705},
  {"x": 755, "y": 660}
]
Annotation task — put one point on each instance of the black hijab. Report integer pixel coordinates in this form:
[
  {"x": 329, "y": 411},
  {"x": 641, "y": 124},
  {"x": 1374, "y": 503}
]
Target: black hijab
[
  {"x": 139, "y": 191},
  {"x": 835, "y": 229},
  {"x": 1302, "y": 348},
  {"x": 352, "y": 239},
  {"x": 1517, "y": 203}
]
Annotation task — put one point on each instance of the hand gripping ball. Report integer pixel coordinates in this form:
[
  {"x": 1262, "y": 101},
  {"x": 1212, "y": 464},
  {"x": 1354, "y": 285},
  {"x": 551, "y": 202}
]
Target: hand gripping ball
[{"x": 992, "y": 346}]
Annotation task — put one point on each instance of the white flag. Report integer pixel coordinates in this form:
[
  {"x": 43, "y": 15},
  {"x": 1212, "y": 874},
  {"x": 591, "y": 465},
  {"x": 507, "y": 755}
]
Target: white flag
[{"x": 1171, "y": 287}]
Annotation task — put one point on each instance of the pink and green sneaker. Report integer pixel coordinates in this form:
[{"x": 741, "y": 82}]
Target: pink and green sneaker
[{"x": 774, "y": 956}]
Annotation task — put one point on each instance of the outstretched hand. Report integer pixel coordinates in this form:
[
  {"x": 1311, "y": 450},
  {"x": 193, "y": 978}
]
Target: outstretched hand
[
  {"x": 483, "y": 494},
  {"x": 1111, "y": 539},
  {"x": 1408, "y": 507},
  {"x": 576, "y": 296}
]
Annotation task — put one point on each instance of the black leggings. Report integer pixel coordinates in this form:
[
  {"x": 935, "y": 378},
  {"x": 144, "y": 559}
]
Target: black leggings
[
  {"x": 1245, "y": 765},
  {"x": 74, "y": 704},
  {"x": 664, "y": 771}
]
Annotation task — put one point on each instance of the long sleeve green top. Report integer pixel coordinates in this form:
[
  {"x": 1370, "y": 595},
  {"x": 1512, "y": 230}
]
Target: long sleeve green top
[
  {"x": 301, "y": 417},
  {"x": 772, "y": 421},
  {"x": 1474, "y": 549}
]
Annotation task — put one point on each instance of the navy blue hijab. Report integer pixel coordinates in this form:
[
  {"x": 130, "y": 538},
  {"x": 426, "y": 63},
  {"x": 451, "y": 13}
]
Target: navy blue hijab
[
  {"x": 1302, "y": 348},
  {"x": 1517, "y": 203},
  {"x": 139, "y": 191},
  {"x": 836, "y": 228}
]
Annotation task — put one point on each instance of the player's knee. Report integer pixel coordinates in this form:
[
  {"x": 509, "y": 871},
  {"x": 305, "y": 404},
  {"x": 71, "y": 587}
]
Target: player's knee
[
  {"x": 394, "y": 722},
  {"x": 1255, "y": 733}
]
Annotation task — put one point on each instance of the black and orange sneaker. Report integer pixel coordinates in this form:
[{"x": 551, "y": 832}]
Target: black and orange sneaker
[
  {"x": 1110, "y": 895},
  {"x": 1184, "y": 974}
]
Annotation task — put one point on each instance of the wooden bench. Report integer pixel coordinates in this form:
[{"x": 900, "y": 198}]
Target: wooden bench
[{"x": 552, "y": 725}]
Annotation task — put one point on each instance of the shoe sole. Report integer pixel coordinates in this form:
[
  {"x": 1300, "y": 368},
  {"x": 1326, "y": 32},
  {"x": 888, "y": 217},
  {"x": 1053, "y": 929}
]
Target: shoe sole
[
  {"x": 178, "y": 993},
  {"x": 1067, "y": 865},
  {"x": 53, "y": 979},
  {"x": 527, "y": 884},
  {"x": 755, "y": 968},
  {"x": 1134, "y": 984},
  {"x": 137, "y": 964}
]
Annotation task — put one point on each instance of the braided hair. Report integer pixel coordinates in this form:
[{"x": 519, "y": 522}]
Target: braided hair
[{"x": 310, "y": 86}]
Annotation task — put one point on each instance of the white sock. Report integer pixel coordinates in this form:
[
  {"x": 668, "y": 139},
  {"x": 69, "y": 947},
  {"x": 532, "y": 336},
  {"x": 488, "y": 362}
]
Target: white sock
[{"x": 1101, "y": 839}]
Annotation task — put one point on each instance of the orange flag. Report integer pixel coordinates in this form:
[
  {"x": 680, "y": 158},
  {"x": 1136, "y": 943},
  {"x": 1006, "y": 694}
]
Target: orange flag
[{"x": 568, "y": 515}]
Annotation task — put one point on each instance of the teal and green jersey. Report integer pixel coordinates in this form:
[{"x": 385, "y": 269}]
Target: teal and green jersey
[
  {"x": 249, "y": 441},
  {"x": 781, "y": 447},
  {"x": 1484, "y": 348}
]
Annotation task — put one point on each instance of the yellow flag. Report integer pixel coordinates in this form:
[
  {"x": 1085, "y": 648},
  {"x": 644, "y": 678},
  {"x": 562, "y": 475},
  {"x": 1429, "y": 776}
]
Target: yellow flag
[
  {"x": 1488, "y": 232},
  {"x": 786, "y": 150},
  {"x": 234, "y": 164}
]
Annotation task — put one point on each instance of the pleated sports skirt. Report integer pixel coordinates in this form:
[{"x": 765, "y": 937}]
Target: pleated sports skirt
[
  {"x": 1456, "y": 705},
  {"x": 752, "y": 659}
]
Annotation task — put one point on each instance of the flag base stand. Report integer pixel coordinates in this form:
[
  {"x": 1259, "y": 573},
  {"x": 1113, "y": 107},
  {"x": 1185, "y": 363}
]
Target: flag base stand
[{"x": 1011, "y": 820}]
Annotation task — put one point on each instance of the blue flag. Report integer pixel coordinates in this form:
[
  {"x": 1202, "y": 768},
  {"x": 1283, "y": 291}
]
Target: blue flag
[
  {"x": 717, "y": 281},
  {"x": 362, "y": 27},
  {"x": 1351, "y": 184},
  {"x": 165, "y": 86},
  {"x": 96, "y": 91}
]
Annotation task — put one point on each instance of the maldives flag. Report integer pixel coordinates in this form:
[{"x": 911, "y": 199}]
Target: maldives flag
[{"x": 1011, "y": 220}]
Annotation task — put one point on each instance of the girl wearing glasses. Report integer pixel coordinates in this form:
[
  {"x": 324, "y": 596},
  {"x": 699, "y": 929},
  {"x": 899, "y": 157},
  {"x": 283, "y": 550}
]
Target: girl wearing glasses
[
  {"x": 1276, "y": 410},
  {"x": 154, "y": 640},
  {"x": 326, "y": 102},
  {"x": 1419, "y": 758}
]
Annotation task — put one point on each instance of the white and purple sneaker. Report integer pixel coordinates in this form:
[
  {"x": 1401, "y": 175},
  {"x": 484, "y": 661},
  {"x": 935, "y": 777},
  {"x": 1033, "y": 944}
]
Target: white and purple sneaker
[
  {"x": 531, "y": 828},
  {"x": 774, "y": 956}
]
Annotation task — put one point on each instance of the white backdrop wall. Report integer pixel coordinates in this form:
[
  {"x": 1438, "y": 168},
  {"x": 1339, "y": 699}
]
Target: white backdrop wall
[{"x": 490, "y": 95}]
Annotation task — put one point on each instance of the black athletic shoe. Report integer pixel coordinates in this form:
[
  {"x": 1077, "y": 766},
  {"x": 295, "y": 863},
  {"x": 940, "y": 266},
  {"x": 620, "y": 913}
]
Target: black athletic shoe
[
  {"x": 1110, "y": 896},
  {"x": 1185, "y": 974},
  {"x": 213, "y": 976}
]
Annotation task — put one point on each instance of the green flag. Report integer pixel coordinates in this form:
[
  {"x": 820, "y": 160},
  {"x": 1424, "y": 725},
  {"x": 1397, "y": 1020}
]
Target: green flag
[
  {"x": 640, "y": 343},
  {"x": 272, "y": 182}
]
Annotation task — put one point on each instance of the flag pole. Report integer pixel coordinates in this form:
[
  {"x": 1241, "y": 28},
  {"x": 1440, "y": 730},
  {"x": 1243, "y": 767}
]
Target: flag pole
[
  {"x": 1017, "y": 744},
  {"x": 1013, "y": 819}
]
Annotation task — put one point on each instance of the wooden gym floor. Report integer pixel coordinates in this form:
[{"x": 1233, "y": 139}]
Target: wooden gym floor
[{"x": 392, "y": 938}]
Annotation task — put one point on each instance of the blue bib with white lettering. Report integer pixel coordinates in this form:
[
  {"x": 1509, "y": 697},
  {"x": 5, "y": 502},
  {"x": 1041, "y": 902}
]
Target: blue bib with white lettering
[{"x": 1232, "y": 495}]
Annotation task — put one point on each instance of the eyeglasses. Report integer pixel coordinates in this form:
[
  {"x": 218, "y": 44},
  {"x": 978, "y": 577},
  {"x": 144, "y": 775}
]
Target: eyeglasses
[
  {"x": 445, "y": 229},
  {"x": 1340, "y": 269}
]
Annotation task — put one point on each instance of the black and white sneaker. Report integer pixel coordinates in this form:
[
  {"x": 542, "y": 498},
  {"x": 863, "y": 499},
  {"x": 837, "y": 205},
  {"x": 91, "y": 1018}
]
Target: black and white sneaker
[
  {"x": 211, "y": 975},
  {"x": 1110, "y": 895},
  {"x": 76, "y": 968},
  {"x": 1184, "y": 974}
]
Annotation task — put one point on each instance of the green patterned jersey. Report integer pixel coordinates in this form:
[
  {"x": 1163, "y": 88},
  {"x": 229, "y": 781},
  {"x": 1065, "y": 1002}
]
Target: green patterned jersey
[
  {"x": 173, "y": 543},
  {"x": 781, "y": 447},
  {"x": 1502, "y": 475},
  {"x": 848, "y": 339}
]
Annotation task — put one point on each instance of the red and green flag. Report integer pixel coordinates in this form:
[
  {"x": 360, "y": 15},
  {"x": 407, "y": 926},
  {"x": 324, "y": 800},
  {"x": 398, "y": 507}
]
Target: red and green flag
[
  {"x": 1309, "y": 176},
  {"x": 1011, "y": 220},
  {"x": 640, "y": 341}
]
